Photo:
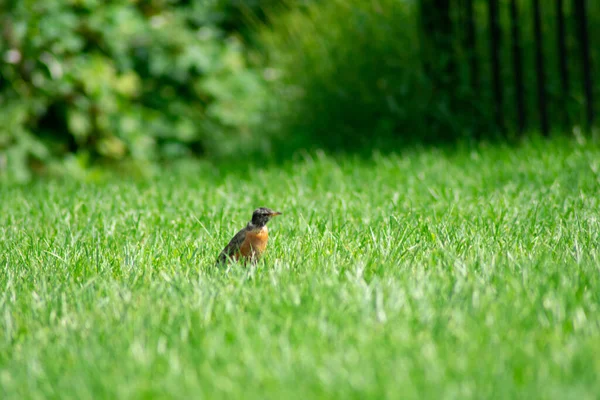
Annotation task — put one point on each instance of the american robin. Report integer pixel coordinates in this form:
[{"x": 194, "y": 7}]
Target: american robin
[{"x": 249, "y": 243}]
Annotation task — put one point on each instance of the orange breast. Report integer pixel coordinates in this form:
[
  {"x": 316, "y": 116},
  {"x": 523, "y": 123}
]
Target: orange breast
[{"x": 255, "y": 243}]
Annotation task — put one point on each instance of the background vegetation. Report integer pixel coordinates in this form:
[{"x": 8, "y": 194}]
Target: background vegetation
[
  {"x": 91, "y": 81},
  {"x": 85, "y": 82},
  {"x": 405, "y": 71}
]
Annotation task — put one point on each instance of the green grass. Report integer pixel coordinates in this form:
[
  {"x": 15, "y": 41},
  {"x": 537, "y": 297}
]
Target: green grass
[{"x": 471, "y": 273}]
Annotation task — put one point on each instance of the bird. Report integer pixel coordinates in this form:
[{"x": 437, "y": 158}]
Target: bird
[{"x": 249, "y": 243}]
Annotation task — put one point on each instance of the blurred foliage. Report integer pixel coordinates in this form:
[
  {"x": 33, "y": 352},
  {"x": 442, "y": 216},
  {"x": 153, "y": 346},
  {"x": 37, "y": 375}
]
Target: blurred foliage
[
  {"x": 86, "y": 81},
  {"x": 91, "y": 83},
  {"x": 345, "y": 73},
  {"x": 354, "y": 73}
]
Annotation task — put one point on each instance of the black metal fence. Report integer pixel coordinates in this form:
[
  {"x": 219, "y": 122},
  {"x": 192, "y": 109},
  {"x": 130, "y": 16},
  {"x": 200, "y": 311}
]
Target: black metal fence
[{"x": 530, "y": 62}]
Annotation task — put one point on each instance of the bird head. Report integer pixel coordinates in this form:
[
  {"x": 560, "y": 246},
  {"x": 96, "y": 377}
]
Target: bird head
[{"x": 262, "y": 215}]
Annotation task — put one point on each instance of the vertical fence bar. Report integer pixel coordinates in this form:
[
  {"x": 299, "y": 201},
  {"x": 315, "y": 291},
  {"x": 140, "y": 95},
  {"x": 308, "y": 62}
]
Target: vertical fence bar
[
  {"x": 539, "y": 67},
  {"x": 471, "y": 46},
  {"x": 581, "y": 22},
  {"x": 562, "y": 61},
  {"x": 517, "y": 65},
  {"x": 495, "y": 56}
]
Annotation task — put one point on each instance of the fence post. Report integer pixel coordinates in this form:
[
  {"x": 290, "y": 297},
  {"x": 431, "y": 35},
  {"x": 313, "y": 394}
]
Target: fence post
[
  {"x": 471, "y": 46},
  {"x": 581, "y": 22},
  {"x": 495, "y": 56},
  {"x": 517, "y": 65},
  {"x": 562, "y": 61},
  {"x": 539, "y": 66}
]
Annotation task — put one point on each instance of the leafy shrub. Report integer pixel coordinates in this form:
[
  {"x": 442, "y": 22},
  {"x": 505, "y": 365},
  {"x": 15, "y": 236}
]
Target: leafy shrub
[
  {"x": 345, "y": 73},
  {"x": 139, "y": 80}
]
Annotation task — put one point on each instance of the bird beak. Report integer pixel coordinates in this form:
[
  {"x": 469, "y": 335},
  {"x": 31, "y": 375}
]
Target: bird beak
[{"x": 276, "y": 213}]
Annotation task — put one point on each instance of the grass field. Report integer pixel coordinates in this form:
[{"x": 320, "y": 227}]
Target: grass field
[{"x": 471, "y": 273}]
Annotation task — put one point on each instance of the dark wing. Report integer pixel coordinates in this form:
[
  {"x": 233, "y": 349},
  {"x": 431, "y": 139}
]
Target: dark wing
[{"x": 232, "y": 247}]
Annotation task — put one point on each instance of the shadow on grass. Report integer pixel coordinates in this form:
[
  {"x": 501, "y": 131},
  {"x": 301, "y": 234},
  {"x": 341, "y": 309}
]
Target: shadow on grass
[{"x": 286, "y": 155}]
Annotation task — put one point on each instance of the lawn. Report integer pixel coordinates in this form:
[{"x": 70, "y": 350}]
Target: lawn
[{"x": 464, "y": 273}]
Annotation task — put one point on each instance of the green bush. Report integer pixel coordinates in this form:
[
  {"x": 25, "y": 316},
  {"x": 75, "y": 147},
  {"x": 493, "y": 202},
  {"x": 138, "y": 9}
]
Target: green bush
[
  {"x": 90, "y": 81},
  {"x": 345, "y": 73}
]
